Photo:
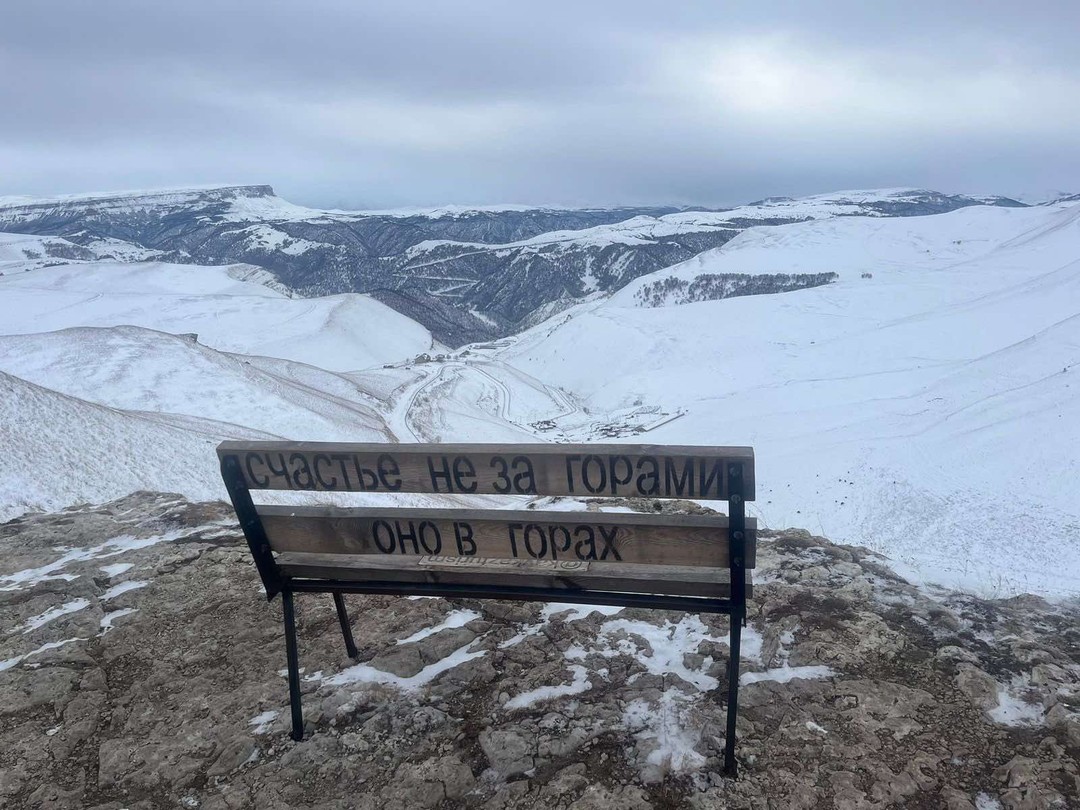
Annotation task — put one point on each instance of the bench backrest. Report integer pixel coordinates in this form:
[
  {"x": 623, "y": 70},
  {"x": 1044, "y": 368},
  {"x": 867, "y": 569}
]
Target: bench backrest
[{"x": 616, "y": 558}]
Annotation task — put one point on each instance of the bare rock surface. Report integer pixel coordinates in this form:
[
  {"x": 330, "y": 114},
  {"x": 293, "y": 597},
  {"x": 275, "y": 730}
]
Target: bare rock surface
[{"x": 142, "y": 667}]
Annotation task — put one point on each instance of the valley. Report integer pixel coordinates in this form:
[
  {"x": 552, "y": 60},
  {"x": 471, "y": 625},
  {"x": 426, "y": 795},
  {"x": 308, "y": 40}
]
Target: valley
[
  {"x": 910, "y": 401},
  {"x": 467, "y": 274}
]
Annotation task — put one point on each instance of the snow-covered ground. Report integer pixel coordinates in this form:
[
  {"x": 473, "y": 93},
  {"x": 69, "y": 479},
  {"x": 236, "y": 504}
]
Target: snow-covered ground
[
  {"x": 339, "y": 333},
  {"x": 60, "y": 450},
  {"x": 928, "y": 410},
  {"x": 137, "y": 369},
  {"x": 931, "y": 411},
  {"x": 18, "y": 247},
  {"x": 104, "y": 391}
]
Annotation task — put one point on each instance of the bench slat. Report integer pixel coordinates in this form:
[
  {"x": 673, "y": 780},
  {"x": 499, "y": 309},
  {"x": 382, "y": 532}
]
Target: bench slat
[
  {"x": 669, "y": 540},
  {"x": 623, "y": 470},
  {"x": 671, "y": 580}
]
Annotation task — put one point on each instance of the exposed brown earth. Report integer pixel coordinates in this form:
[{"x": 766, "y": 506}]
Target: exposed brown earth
[{"x": 878, "y": 693}]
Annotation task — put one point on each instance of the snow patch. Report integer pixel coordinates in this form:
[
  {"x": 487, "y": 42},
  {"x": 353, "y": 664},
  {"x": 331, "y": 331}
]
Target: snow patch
[
  {"x": 122, "y": 587},
  {"x": 116, "y": 569},
  {"x": 262, "y": 722},
  {"x": 579, "y": 684},
  {"x": 786, "y": 674},
  {"x": 457, "y": 618},
  {"x": 363, "y": 673},
  {"x": 660, "y": 649},
  {"x": 108, "y": 621},
  {"x": 35, "y": 622},
  {"x": 1013, "y": 710},
  {"x": 665, "y": 728},
  {"x": 111, "y": 548},
  {"x": 52, "y": 645}
]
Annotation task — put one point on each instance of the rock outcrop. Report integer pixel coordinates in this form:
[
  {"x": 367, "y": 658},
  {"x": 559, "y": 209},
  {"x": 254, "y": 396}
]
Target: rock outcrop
[{"x": 141, "y": 667}]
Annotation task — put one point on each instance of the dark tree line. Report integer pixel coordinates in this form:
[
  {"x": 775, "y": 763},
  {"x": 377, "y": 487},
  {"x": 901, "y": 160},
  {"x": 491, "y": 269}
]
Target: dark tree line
[{"x": 714, "y": 286}]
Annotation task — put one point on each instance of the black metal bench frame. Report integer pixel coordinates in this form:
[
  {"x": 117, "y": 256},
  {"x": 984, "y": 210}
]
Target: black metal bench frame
[{"x": 276, "y": 583}]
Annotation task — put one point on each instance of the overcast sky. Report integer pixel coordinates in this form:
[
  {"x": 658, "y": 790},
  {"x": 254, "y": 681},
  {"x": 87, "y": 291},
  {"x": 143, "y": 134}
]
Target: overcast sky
[{"x": 360, "y": 104}]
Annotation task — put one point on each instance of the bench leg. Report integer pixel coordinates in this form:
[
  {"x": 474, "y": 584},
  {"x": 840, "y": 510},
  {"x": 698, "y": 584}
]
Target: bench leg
[
  {"x": 294, "y": 666},
  {"x": 731, "y": 767},
  {"x": 343, "y": 617}
]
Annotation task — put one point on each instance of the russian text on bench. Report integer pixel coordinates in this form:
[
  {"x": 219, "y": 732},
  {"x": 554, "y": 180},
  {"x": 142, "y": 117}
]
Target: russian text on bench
[{"x": 696, "y": 563}]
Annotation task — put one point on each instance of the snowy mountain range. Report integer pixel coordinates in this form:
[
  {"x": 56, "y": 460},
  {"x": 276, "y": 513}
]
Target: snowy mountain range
[
  {"x": 907, "y": 381},
  {"x": 467, "y": 274},
  {"x": 909, "y": 384}
]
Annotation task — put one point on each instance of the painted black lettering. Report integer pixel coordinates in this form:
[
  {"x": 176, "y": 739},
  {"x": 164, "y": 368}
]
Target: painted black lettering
[
  {"x": 512, "y": 528},
  {"x": 383, "y": 536},
  {"x": 570, "y": 472},
  {"x": 609, "y": 534},
  {"x": 320, "y": 459},
  {"x": 301, "y": 472},
  {"x": 341, "y": 458},
  {"x": 597, "y": 484},
  {"x": 524, "y": 481},
  {"x": 555, "y": 532},
  {"x": 463, "y": 472},
  {"x": 613, "y": 470},
  {"x": 279, "y": 472},
  {"x": 429, "y": 531},
  {"x": 443, "y": 473},
  {"x": 252, "y": 477},
  {"x": 365, "y": 478},
  {"x": 403, "y": 536},
  {"x": 589, "y": 543},
  {"x": 532, "y": 530},
  {"x": 675, "y": 485},
  {"x": 389, "y": 472},
  {"x": 648, "y": 482},
  {"x": 502, "y": 483},
  {"x": 715, "y": 473},
  {"x": 463, "y": 533}
]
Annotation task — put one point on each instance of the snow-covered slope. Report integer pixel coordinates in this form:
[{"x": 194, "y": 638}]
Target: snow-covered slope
[
  {"x": 75, "y": 364},
  {"x": 102, "y": 354},
  {"x": 94, "y": 413},
  {"x": 852, "y": 246},
  {"x": 931, "y": 410},
  {"x": 923, "y": 402},
  {"x": 138, "y": 369},
  {"x": 163, "y": 402},
  {"x": 59, "y": 450},
  {"x": 517, "y": 283},
  {"x": 20, "y": 253},
  {"x": 341, "y": 333}
]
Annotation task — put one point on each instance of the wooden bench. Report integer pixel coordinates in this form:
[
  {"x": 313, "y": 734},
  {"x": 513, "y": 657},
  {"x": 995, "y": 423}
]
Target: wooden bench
[{"x": 695, "y": 563}]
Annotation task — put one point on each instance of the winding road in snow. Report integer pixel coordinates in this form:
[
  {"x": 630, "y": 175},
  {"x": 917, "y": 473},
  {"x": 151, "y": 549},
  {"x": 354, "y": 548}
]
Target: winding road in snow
[{"x": 439, "y": 386}]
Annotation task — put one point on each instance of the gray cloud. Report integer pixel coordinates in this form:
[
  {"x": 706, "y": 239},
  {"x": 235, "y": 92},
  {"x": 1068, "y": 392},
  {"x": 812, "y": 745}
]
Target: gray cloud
[{"x": 354, "y": 104}]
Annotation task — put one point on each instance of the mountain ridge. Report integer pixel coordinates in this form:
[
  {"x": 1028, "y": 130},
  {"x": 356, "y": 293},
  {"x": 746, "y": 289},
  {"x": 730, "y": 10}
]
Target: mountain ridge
[{"x": 467, "y": 274}]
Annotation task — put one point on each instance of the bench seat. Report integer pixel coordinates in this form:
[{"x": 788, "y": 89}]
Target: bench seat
[{"x": 569, "y": 575}]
